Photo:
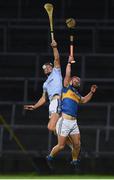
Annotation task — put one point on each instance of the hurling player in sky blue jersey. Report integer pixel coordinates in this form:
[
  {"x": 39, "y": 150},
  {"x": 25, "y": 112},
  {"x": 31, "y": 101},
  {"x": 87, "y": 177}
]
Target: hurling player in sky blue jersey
[{"x": 52, "y": 88}]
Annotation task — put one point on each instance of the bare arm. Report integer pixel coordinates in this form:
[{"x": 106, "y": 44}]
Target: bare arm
[
  {"x": 40, "y": 102},
  {"x": 88, "y": 97},
  {"x": 68, "y": 72},
  {"x": 56, "y": 54}
]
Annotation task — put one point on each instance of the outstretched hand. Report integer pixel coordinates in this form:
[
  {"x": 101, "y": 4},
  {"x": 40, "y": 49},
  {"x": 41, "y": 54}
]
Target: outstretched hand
[
  {"x": 94, "y": 88},
  {"x": 29, "y": 107}
]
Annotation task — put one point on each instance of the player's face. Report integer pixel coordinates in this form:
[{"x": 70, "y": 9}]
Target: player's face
[
  {"x": 76, "y": 82},
  {"x": 48, "y": 69}
]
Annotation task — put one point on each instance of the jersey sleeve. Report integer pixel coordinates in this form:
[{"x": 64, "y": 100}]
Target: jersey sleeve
[
  {"x": 56, "y": 69},
  {"x": 80, "y": 99},
  {"x": 44, "y": 88}
]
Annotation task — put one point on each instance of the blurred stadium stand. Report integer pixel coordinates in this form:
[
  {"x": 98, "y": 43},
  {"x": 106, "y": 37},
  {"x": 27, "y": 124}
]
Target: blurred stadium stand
[{"x": 24, "y": 47}]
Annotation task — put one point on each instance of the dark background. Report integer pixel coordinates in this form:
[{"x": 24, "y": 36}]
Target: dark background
[{"x": 24, "y": 47}]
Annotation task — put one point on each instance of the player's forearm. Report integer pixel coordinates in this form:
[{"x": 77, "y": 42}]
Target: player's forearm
[
  {"x": 41, "y": 102},
  {"x": 67, "y": 75},
  {"x": 68, "y": 70},
  {"x": 68, "y": 67},
  {"x": 88, "y": 97},
  {"x": 56, "y": 57},
  {"x": 55, "y": 53}
]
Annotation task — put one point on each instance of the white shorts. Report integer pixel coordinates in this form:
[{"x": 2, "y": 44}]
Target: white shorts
[
  {"x": 65, "y": 127},
  {"x": 55, "y": 106}
]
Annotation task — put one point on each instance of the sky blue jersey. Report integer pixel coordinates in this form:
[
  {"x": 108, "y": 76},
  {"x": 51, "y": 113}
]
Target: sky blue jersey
[{"x": 53, "y": 84}]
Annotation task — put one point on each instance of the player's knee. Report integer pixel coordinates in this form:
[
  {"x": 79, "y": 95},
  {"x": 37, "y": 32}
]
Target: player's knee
[{"x": 61, "y": 147}]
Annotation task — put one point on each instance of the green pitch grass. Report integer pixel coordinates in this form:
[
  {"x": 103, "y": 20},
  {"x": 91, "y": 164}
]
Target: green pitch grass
[{"x": 35, "y": 176}]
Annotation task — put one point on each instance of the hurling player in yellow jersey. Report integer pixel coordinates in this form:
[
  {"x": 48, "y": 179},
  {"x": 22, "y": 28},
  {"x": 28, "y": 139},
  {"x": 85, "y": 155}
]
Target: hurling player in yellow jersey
[{"x": 67, "y": 124}]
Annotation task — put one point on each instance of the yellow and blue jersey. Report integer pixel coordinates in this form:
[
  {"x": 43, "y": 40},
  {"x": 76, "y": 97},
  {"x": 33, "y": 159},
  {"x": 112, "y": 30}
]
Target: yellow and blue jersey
[{"x": 70, "y": 100}]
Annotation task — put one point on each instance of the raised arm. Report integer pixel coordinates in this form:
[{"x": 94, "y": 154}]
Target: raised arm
[
  {"x": 40, "y": 102},
  {"x": 88, "y": 97},
  {"x": 68, "y": 72},
  {"x": 56, "y": 54}
]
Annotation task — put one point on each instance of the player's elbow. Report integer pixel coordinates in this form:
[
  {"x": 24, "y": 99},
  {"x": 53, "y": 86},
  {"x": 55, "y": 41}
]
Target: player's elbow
[
  {"x": 43, "y": 99},
  {"x": 57, "y": 62},
  {"x": 84, "y": 100},
  {"x": 66, "y": 81}
]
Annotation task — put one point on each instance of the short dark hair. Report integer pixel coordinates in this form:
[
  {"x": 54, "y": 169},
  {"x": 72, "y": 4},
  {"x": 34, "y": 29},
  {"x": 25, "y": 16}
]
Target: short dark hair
[{"x": 75, "y": 77}]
